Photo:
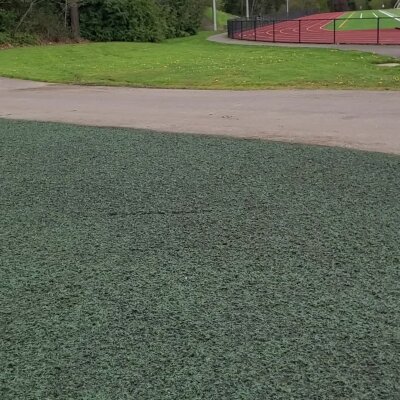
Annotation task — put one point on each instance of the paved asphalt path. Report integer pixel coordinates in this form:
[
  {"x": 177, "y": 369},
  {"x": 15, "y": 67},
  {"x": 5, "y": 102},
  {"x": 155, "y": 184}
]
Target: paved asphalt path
[
  {"x": 384, "y": 50},
  {"x": 368, "y": 120}
]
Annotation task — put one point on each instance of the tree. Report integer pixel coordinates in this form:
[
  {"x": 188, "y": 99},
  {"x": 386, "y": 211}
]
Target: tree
[
  {"x": 257, "y": 7},
  {"x": 74, "y": 15},
  {"x": 123, "y": 20}
]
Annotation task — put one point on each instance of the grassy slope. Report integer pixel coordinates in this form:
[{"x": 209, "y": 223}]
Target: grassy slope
[
  {"x": 145, "y": 266},
  {"x": 195, "y": 62},
  {"x": 222, "y": 18}
]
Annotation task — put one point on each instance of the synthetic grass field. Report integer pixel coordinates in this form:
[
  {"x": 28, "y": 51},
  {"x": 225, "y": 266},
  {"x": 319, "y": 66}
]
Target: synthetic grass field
[
  {"x": 367, "y": 19},
  {"x": 195, "y": 62},
  {"x": 137, "y": 265}
]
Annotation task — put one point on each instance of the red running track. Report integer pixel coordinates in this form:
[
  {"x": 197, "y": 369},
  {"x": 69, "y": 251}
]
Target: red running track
[{"x": 312, "y": 29}]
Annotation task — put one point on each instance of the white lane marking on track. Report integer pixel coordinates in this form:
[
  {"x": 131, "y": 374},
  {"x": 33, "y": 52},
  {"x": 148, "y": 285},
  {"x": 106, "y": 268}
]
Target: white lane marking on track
[
  {"x": 312, "y": 25},
  {"x": 309, "y": 27},
  {"x": 292, "y": 29},
  {"x": 323, "y": 26},
  {"x": 320, "y": 27}
]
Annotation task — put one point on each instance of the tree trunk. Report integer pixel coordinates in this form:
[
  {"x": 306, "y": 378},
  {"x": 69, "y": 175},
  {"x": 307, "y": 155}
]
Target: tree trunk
[{"x": 74, "y": 13}]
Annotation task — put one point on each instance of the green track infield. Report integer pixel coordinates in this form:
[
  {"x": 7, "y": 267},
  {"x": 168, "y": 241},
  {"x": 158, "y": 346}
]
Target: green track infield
[
  {"x": 368, "y": 19},
  {"x": 137, "y": 265}
]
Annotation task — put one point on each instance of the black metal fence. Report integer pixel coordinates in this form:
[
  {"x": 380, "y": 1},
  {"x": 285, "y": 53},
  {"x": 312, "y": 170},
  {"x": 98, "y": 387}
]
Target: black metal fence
[{"x": 381, "y": 30}]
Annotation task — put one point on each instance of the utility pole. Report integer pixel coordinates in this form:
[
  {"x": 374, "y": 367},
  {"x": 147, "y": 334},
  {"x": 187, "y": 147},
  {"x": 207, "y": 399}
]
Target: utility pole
[{"x": 215, "y": 14}]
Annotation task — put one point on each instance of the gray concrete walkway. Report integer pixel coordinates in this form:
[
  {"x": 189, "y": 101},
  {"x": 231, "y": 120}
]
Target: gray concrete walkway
[
  {"x": 385, "y": 50},
  {"x": 368, "y": 120}
]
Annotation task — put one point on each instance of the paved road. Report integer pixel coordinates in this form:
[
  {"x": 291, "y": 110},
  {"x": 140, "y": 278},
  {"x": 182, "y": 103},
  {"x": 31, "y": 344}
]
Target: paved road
[
  {"x": 368, "y": 120},
  {"x": 385, "y": 50}
]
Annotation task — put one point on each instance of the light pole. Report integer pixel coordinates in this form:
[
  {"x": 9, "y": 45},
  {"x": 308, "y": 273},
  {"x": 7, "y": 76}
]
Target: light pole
[
  {"x": 287, "y": 8},
  {"x": 247, "y": 9},
  {"x": 214, "y": 6}
]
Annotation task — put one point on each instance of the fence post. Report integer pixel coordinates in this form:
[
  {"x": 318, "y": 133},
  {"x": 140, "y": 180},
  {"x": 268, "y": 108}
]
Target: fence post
[
  {"x": 299, "y": 30},
  {"x": 273, "y": 31},
  {"x": 377, "y": 30},
  {"x": 334, "y": 31},
  {"x": 255, "y": 30}
]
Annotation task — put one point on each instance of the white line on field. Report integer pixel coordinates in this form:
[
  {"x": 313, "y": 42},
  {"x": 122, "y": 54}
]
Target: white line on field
[
  {"x": 389, "y": 15},
  {"x": 376, "y": 16},
  {"x": 346, "y": 20},
  {"x": 361, "y": 15},
  {"x": 396, "y": 12}
]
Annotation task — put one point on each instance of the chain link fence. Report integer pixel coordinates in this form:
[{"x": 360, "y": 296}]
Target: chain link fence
[{"x": 381, "y": 30}]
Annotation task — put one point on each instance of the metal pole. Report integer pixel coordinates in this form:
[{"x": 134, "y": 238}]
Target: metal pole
[
  {"x": 287, "y": 8},
  {"x": 377, "y": 31},
  {"x": 299, "y": 30},
  {"x": 273, "y": 31},
  {"x": 247, "y": 9},
  {"x": 214, "y": 6},
  {"x": 334, "y": 31}
]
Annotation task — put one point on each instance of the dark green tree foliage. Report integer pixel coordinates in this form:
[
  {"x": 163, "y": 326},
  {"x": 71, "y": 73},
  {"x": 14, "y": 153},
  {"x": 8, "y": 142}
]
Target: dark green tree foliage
[
  {"x": 32, "y": 19},
  {"x": 183, "y": 16},
  {"x": 139, "y": 20},
  {"x": 257, "y": 7},
  {"x": 100, "y": 20},
  {"x": 122, "y": 20},
  {"x": 265, "y": 7},
  {"x": 8, "y": 20}
]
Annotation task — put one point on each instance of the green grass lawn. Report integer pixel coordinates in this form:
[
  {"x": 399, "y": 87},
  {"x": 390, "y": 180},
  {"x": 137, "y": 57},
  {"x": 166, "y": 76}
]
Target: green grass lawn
[
  {"x": 137, "y": 265},
  {"x": 367, "y": 19},
  {"x": 195, "y": 62}
]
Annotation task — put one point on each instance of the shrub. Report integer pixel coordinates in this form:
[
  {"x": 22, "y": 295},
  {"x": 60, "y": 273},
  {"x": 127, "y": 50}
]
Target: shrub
[
  {"x": 102, "y": 20},
  {"x": 7, "y": 20},
  {"x": 183, "y": 16},
  {"x": 122, "y": 20},
  {"x": 19, "y": 39}
]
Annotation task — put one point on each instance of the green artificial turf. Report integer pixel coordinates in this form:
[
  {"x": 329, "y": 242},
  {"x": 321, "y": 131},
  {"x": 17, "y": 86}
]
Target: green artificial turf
[
  {"x": 137, "y": 265},
  {"x": 367, "y": 19},
  {"x": 195, "y": 62}
]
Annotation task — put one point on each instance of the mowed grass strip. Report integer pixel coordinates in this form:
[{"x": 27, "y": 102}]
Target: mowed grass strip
[
  {"x": 137, "y": 265},
  {"x": 195, "y": 62}
]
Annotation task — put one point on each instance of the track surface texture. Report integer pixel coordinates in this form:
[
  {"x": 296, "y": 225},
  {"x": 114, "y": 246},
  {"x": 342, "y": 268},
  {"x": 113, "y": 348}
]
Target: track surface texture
[
  {"x": 318, "y": 29},
  {"x": 146, "y": 266},
  {"x": 359, "y": 119}
]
